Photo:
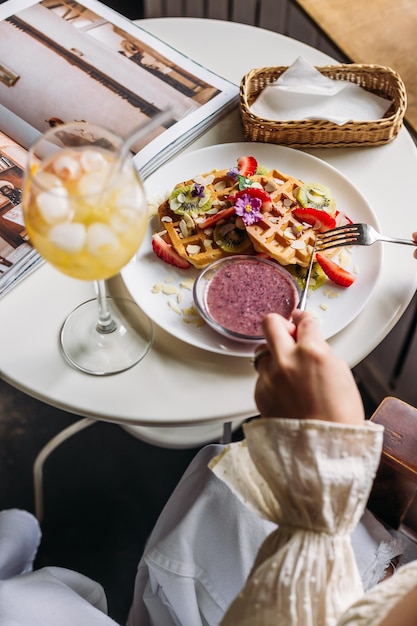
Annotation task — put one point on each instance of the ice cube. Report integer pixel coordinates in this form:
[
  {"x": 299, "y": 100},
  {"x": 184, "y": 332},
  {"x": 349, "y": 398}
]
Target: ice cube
[
  {"x": 92, "y": 184},
  {"x": 93, "y": 161},
  {"x": 132, "y": 197},
  {"x": 54, "y": 206},
  {"x": 46, "y": 180},
  {"x": 68, "y": 237},
  {"x": 66, "y": 166},
  {"x": 101, "y": 239}
]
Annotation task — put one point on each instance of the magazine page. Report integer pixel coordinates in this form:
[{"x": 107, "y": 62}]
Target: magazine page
[
  {"x": 17, "y": 256},
  {"x": 66, "y": 61}
]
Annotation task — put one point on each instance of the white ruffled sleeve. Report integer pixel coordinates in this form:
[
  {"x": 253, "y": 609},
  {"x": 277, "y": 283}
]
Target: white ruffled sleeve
[{"x": 313, "y": 479}]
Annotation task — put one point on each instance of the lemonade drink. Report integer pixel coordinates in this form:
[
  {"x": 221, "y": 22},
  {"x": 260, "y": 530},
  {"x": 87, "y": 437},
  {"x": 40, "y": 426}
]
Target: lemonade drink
[{"x": 84, "y": 212}]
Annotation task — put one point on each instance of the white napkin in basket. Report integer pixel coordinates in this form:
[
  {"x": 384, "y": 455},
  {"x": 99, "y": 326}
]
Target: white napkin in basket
[{"x": 302, "y": 92}]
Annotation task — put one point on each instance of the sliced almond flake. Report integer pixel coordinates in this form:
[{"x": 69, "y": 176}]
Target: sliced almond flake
[
  {"x": 212, "y": 211},
  {"x": 356, "y": 270},
  {"x": 257, "y": 185},
  {"x": 155, "y": 201},
  {"x": 220, "y": 185},
  {"x": 202, "y": 201},
  {"x": 169, "y": 290},
  {"x": 166, "y": 218},
  {"x": 172, "y": 305},
  {"x": 189, "y": 311},
  {"x": 207, "y": 243},
  {"x": 187, "y": 284},
  {"x": 188, "y": 220},
  {"x": 185, "y": 231},
  {"x": 324, "y": 307},
  {"x": 204, "y": 180},
  {"x": 192, "y": 249},
  {"x": 279, "y": 181},
  {"x": 270, "y": 186},
  {"x": 180, "y": 297},
  {"x": 332, "y": 295},
  {"x": 288, "y": 202},
  {"x": 197, "y": 321},
  {"x": 344, "y": 258},
  {"x": 298, "y": 244},
  {"x": 157, "y": 288},
  {"x": 288, "y": 233},
  {"x": 169, "y": 279},
  {"x": 208, "y": 231}
]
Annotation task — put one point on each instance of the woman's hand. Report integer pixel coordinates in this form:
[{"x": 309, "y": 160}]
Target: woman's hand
[{"x": 301, "y": 377}]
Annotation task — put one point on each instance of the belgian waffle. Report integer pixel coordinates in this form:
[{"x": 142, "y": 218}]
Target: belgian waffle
[
  {"x": 193, "y": 243},
  {"x": 279, "y": 234}
]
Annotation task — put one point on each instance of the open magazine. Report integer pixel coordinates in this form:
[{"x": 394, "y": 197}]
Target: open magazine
[
  {"x": 64, "y": 61},
  {"x": 17, "y": 256}
]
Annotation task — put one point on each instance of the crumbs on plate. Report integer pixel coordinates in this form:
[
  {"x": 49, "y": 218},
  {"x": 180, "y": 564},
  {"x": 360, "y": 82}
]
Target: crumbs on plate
[{"x": 175, "y": 295}]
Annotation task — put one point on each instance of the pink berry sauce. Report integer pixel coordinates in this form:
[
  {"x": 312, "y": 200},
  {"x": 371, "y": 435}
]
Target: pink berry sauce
[{"x": 244, "y": 290}]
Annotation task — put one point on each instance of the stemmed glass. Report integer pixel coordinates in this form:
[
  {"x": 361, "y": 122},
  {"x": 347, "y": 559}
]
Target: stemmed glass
[{"x": 86, "y": 213}]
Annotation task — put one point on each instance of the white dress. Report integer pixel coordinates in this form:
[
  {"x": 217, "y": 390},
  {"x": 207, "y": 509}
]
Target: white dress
[
  {"x": 206, "y": 539},
  {"x": 313, "y": 479}
]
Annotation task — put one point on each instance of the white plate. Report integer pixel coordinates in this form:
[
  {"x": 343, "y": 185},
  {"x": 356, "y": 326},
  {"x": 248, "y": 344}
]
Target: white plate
[{"x": 335, "y": 307}]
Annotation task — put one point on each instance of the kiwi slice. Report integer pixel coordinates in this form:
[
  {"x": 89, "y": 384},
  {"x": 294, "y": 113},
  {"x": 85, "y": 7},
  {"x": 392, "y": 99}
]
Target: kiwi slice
[
  {"x": 318, "y": 277},
  {"x": 317, "y": 196},
  {"x": 230, "y": 238},
  {"x": 182, "y": 201},
  {"x": 261, "y": 170}
]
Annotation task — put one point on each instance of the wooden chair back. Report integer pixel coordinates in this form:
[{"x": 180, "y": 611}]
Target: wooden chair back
[{"x": 393, "y": 497}]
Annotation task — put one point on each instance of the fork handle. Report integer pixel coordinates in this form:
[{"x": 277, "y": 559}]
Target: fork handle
[{"x": 407, "y": 242}]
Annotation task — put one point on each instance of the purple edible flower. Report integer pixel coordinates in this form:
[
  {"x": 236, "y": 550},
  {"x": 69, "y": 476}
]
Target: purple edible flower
[
  {"x": 249, "y": 209},
  {"x": 233, "y": 172},
  {"x": 197, "y": 191}
]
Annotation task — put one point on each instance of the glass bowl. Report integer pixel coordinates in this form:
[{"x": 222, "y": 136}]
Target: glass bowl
[{"x": 234, "y": 294}]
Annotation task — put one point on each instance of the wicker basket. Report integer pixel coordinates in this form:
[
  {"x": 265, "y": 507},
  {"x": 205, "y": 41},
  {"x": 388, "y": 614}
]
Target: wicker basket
[{"x": 377, "y": 79}]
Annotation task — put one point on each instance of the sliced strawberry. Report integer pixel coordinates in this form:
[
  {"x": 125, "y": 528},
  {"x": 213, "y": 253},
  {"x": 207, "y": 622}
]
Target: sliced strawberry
[
  {"x": 213, "y": 219},
  {"x": 334, "y": 272},
  {"x": 320, "y": 220},
  {"x": 342, "y": 218},
  {"x": 253, "y": 192},
  {"x": 166, "y": 252},
  {"x": 247, "y": 165}
]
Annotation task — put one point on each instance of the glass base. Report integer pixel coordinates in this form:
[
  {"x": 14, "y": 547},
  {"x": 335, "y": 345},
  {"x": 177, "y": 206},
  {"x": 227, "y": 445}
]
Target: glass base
[{"x": 101, "y": 354}]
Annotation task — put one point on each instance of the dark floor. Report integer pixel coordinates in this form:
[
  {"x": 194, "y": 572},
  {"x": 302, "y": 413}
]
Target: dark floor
[{"x": 103, "y": 491}]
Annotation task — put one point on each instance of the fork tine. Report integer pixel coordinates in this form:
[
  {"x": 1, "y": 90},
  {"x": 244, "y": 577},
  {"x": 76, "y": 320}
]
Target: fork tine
[
  {"x": 345, "y": 235},
  {"x": 335, "y": 243},
  {"x": 340, "y": 231}
]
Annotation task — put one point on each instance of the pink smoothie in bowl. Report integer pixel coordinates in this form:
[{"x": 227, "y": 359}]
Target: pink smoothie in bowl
[{"x": 233, "y": 295}]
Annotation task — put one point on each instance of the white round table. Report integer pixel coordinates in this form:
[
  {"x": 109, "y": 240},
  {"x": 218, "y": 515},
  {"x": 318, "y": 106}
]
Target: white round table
[{"x": 177, "y": 384}]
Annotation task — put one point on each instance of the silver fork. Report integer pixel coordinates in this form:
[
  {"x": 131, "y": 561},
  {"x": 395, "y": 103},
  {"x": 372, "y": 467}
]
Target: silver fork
[
  {"x": 354, "y": 235},
  {"x": 303, "y": 296}
]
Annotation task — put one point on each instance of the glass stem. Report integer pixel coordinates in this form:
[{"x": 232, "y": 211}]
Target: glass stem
[{"x": 105, "y": 323}]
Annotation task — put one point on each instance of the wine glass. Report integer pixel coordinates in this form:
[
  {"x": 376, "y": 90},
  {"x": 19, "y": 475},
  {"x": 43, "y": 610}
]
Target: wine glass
[{"x": 86, "y": 213}]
